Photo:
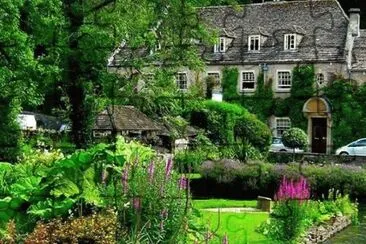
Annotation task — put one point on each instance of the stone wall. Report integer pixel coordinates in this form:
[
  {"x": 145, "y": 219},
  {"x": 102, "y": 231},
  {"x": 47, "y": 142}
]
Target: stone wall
[{"x": 319, "y": 234}]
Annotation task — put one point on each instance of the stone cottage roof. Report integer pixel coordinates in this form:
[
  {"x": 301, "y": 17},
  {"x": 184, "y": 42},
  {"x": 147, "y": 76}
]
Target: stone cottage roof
[
  {"x": 359, "y": 52},
  {"x": 321, "y": 24},
  {"x": 124, "y": 118}
]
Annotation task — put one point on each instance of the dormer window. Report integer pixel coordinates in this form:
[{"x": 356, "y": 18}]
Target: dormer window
[
  {"x": 254, "y": 43},
  {"x": 220, "y": 47},
  {"x": 290, "y": 42}
]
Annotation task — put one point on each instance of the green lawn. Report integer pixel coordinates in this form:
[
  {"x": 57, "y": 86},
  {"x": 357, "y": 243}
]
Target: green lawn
[
  {"x": 239, "y": 227},
  {"x": 223, "y": 203}
]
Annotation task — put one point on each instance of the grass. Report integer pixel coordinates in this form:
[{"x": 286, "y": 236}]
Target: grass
[
  {"x": 239, "y": 227},
  {"x": 223, "y": 203}
]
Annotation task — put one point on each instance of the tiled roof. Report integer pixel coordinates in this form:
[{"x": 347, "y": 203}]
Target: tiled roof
[
  {"x": 359, "y": 52},
  {"x": 124, "y": 118},
  {"x": 321, "y": 23}
]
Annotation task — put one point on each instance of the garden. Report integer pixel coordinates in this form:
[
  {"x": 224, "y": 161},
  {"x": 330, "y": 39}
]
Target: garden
[{"x": 68, "y": 187}]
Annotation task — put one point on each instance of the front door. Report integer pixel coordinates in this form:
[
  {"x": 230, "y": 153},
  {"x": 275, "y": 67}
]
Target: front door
[{"x": 319, "y": 135}]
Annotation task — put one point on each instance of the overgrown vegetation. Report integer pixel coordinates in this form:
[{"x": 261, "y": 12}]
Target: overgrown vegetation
[{"x": 144, "y": 194}]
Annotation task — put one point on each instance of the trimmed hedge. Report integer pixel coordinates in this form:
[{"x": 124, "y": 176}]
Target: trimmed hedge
[{"x": 228, "y": 179}]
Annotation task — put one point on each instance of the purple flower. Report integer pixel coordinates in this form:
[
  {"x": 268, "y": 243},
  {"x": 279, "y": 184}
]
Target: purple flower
[
  {"x": 124, "y": 179},
  {"x": 225, "y": 240},
  {"x": 136, "y": 203},
  {"x": 168, "y": 167},
  {"x": 183, "y": 182},
  {"x": 151, "y": 170},
  {"x": 297, "y": 190}
]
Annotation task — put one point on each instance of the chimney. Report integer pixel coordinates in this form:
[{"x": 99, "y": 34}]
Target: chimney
[{"x": 354, "y": 21}]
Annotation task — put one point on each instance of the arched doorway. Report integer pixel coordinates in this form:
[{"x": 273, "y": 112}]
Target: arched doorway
[{"x": 318, "y": 112}]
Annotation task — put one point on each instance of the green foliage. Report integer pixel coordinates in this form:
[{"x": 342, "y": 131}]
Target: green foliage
[
  {"x": 45, "y": 187},
  {"x": 348, "y": 113},
  {"x": 230, "y": 83},
  {"x": 295, "y": 138},
  {"x": 228, "y": 124},
  {"x": 256, "y": 178},
  {"x": 10, "y": 136},
  {"x": 290, "y": 219}
]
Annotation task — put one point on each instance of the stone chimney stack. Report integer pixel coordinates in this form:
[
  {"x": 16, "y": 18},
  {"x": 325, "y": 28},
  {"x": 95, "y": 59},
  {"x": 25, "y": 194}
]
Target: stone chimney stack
[{"x": 354, "y": 21}]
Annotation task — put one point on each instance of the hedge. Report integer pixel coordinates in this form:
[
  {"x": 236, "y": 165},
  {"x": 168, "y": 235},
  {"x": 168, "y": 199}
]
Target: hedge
[{"x": 230, "y": 179}]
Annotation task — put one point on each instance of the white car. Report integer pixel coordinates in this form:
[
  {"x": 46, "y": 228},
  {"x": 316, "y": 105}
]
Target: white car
[
  {"x": 277, "y": 146},
  {"x": 356, "y": 148}
]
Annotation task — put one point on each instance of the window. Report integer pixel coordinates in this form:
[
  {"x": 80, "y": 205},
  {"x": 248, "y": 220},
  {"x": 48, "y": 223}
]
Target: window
[
  {"x": 220, "y": 47},
  {"x": 254, "y": 43},
  {"x": 247, "y": 81},
  {"x": 290, "y": 42},
  {"x": 282, "y": 124},
  {"x": 216, "y": 77},
  {"x": 320, "y": 79},
  {"x": 182, "y": 81},
  {"x": 283, "y": 80}
]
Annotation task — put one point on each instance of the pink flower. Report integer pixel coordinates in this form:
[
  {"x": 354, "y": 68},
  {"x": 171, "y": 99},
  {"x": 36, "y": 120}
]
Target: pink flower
[
  {"x": 183, "y": 182},
  {"x": 151, "y": 170},
  {"x": 297, "y": 190},
  {"x": 136, "y": 202},
  {"x": 225, "y": 240},
  {"x": 124, "y": 179},
  {"x": 168, "y": 168}
]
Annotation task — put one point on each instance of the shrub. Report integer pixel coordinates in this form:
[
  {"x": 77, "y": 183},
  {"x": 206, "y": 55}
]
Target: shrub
[
  {"x": 228, "y": 124},
  {"x": 295, "y": 138}
]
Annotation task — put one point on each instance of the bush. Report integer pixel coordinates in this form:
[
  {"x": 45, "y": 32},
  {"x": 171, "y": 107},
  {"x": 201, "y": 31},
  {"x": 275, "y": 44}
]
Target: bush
[
  {"x": 257, "y": 178},
  {"x": 295, "y": 138},
  {"x": 228, "y": 124}
]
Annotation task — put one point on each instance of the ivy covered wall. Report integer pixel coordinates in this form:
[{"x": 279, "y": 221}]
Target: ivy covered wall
[{"x": 347, "y": 100}]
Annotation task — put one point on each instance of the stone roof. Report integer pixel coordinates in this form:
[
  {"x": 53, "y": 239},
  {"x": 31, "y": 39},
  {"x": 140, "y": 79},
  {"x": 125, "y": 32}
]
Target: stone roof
[
  {"x": 359, "y": 52},
  {"x": 321, "y": 23},
  {"x": 124, "y": 118}
]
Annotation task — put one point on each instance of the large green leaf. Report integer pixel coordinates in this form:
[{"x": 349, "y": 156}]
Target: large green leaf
[
  {"x": 62, "y": 207},
  {"x": 84, "y": 157},
  {"x": 42, "y": 209},
  {"x": 90, "y": 190},
  {"x": 26, "y": 187},
  {"x": 65, "y": 187}
]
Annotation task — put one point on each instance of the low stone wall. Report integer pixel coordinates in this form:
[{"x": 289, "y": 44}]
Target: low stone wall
[{"x": 319, "y": 234}]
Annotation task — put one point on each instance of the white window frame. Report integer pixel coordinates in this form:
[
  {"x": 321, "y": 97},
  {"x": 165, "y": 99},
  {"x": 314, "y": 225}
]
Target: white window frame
[
  {"x": 289, "y": 44},
  {"x": 220, "y": 47},
  {"x": 247, "y": 81},
  {"x": 254, "y": 38},
  {"x": 280, "y": 127},
  {"x": 177, "y": 81},
  {"x": 280, "y": 87},
  {"x": 216, "y": 73}
]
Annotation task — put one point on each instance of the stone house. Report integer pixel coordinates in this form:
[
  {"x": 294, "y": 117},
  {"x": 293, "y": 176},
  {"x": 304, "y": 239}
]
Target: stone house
[
  {"x": 124, "y": 120},
  {"x": 272, "y": 38}
]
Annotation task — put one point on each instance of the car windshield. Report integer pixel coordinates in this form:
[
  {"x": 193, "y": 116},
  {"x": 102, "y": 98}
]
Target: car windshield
[{"x": 277, "y": 141}]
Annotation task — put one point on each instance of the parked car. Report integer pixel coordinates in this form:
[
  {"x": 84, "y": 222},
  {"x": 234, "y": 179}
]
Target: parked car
[
  {"x": 356, "y": 148},
  {"x": 277, "y": 146}
]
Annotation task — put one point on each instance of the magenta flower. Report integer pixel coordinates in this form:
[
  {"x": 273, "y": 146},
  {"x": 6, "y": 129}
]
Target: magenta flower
[
  {"x": 183, "y": 183},
  {"x": 124, "y": 179},
  {"x": 164, "y": 214},
  {"x": 151, "y": 170},
  {"x": 168, "y": 167},
  {"x": 136, "y": 203},
  {"x": 225, "y": 240},
  {"x": 296, "y": 190}
]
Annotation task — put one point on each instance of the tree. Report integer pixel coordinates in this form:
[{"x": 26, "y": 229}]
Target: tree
[
  {"x": 295, "y": 138},
  {"x": 22, "y": 71}
]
